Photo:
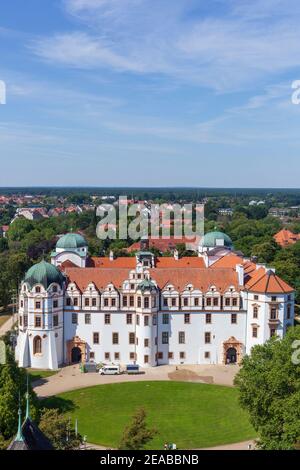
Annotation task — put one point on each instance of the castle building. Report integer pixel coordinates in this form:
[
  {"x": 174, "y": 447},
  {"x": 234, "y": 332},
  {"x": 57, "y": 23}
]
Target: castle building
[{"x": 210, "y": 309}]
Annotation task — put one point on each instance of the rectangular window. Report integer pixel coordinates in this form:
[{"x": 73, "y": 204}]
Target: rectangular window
[
  {"x": 254, "y": 332},
  {"x": 272, "y": 332},
  {"x": 20, "y": 320},
  {"x": 96, "y": 338},
  {"x": 117, "y": 356},
  {"x": 273, "y": 313},
  {"x": 107, "y": 319},
  {"x": 86, "y": 302},
  {"x": 165, "y": 302},
  {"x": 125, "y": 301},
  {"x": 137, "y": 319},
  {"x": 160, "y": 355},
  {"x": 185, "y": 301},
  {"x": 146, "y": 359},
  {"x": 94, "y": 302},
  {"x": 146, "y": 343},
  {"x": 55, "y": 320},
  {"x": 132, "y": 356},
  {"x": 165, "y": 319},
  {"x": 182, "y": 355},
  {"x": 181, "y": 337},
  {"x": 171, "y": 355},
  {"x": 208, "y": 318},
  {"x": 115, "y": 338},
  {"x": 25, "y": 321},
  {"x": 129, "y": 319},
  {"x": 234, "y": 302},
  {"x": 55, "y": 303},
  {"x": 274, "y": 298},
  {"x": 227, "y": 302},
  {"x": 92, "y": 355},
  {"x": 234, "y": 318},
  {"x": 105, "y": 302},
  {"x": 131, "y": 338},
  {"x": 288, "y": 314},
  {"x": 37, "y": 322},
  {"x": 87, "y": 318},
  {"x": 113, "y": 302},
  {"x": 131, "y": 301},
  {"x": 207, "y": 338},
  {"x": 74, "y": 318},
  {"x": 173, "y": 302},
  {"x": 68, "y": 301},
  {"x": 154, "y": 320},
  {"x": 256, "y": 297},
  {"x": 207, "y": 355},
  {"x": 146, "y": 320},
  {"x": 187, "y": 318},
  {"x": 208, "y": 301},
  {"x": 165, "y": 337},
  {"x": 196, "y": 302},
  {"x": 38, "y": 305},
  {"x": 107, "y": 356},
  {"x": 75, "y": 301},
  {"x": 146, "y": 302},
  {"x": 216, "y": 301},
  {"x": 139, "y": 302}
]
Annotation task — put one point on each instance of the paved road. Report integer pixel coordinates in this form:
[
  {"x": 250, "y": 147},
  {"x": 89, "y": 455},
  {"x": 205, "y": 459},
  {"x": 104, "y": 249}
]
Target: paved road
[
  {"x": 7, "y": 326},
  {"x": 70, "y": 378}
]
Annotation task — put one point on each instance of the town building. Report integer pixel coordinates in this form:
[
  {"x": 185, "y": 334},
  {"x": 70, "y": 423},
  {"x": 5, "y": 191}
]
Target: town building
[
  {"x": 208, "y": 309},
  {"x": 285, "y": 238}
]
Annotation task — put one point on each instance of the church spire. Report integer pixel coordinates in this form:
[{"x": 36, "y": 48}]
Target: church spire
[
  {"x": 27, "y": 400},
  {"x": 19, "y": 436}
]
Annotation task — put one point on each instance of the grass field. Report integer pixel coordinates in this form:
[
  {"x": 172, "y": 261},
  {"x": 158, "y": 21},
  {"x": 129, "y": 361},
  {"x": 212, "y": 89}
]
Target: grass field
[{"x": 189, "y": 414}]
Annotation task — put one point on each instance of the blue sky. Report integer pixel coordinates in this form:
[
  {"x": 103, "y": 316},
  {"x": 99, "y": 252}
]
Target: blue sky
[{"x": 150, "y": 93}]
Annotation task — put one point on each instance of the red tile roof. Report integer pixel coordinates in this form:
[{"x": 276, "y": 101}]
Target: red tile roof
[
  {"x": 286, "y": 237},
  {"x": 268, "y": 282}
]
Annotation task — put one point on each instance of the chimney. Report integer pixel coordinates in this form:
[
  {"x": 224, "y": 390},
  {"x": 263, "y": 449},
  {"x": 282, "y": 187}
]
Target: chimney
[
  {"x": 240, "y": 270},
  {"x": 111, "y": 255},
  {"x": 176, "y": 254}
]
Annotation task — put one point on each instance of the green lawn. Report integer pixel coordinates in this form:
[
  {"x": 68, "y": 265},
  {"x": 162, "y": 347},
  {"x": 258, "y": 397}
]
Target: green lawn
[
  {"x": 40, "y": 374},
  {"x": 189, "y": 414}
]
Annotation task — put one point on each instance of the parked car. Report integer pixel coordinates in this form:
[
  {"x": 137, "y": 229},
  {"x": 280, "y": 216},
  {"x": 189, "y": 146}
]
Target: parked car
[
  {"x": 133, "y": 369},
  {"x": 110, "y": 370}
]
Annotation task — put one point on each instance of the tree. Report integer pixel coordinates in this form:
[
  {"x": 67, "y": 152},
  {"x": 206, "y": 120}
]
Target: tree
[
  {"x": 269, "y": 387},
  {"x": 137, "y": 435},
  {"x": 59, "y": 431},
  {"x": 13, "y": 381}
]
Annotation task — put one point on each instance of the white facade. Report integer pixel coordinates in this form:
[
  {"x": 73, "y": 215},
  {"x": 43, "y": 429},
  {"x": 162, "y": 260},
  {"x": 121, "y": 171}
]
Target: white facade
[{"x": 141, "y": 315}]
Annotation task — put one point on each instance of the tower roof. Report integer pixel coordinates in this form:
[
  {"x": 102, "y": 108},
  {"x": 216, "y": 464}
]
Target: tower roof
[
  {"x": 147, "y": 284},
  {"x": 71, "y": 240},
  {"x": 210, "y": 240},
  {"x": 44, "y": 273}
]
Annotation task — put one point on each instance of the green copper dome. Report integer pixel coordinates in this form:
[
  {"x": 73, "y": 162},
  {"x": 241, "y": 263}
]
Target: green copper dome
[
  {"x": 146, "y": 284},
  {"x": 211, "y": 238},
  {"x": 71, "y": 240},
  {"x": 45, "y": 274}
]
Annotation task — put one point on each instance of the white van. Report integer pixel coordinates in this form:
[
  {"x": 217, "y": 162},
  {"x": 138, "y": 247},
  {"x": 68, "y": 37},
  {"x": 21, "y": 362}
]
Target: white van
[{"x": 109, "y": 370}]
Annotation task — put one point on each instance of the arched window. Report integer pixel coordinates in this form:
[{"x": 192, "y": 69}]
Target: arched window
[{"x": 37, "y": 345}]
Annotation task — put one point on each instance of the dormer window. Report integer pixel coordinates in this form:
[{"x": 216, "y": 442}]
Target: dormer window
[
  {"x": 54, "y": 289},
  {"x": 37, "y": 289}
]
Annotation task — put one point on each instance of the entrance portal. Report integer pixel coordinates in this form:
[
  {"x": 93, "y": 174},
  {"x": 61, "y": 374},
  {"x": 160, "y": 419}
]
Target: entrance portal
[
  {"x": 76, "y": 355},
  {"x": 231, "y": 356}
]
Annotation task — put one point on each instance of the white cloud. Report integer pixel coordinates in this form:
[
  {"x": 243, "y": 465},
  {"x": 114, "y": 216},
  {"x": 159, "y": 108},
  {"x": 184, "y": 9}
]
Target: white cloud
[{"x": 223, "y": 52}]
